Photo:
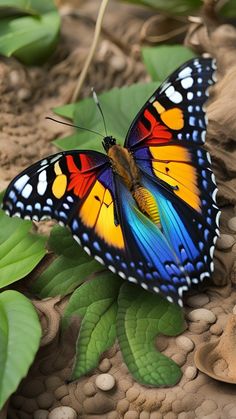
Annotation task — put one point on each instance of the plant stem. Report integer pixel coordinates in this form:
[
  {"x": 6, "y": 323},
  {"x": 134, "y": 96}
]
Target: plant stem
[{"x": 92, "y": 50}]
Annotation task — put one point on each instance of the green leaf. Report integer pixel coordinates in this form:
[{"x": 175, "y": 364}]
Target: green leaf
[
  {"x": 20, "y": 250},
  {"x": 71, "y": 267},
  {"x": 120, "y": 106},
  {"x": 96, "y": 302},
  {"x": 229, "y": 9},
  {"x": 30, "y": 38},
  {"x": 161, "y": 61},
  {"x": 141, "y": 316},
  {"x": 20, "y": 333},
  {"x": 173, "y": 7}
]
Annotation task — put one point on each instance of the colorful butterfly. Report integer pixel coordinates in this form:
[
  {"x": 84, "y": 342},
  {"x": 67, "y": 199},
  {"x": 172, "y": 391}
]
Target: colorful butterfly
[{"x": 147, "y": 211}]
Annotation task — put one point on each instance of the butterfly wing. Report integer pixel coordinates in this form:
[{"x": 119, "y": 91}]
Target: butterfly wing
[
  {"x": 165, "y": 140},
  {"x": 79, "y": 189},
  {"x": 55, "y": 186},
  {"x": 175, "y": 111}
]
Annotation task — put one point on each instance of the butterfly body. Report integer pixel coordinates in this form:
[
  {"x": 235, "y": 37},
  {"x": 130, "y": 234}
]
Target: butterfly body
[{"x": 146, "y": 210}]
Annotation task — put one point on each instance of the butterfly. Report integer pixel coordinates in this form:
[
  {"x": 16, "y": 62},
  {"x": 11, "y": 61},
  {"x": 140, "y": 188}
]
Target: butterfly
[{"x": 146, "y": 210}]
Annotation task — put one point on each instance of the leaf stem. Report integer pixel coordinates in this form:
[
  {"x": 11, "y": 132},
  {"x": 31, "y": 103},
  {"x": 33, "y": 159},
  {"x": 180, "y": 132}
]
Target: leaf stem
[{"x": 92, "y": 50}]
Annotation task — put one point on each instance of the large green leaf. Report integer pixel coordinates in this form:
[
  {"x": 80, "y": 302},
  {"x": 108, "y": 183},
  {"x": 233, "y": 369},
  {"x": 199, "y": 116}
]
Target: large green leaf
[
  {"x": 71, "y": 267},
  {"x": 20, "y": 333},
  {"x": 119, "y": 107},
  {"x": 141, "y": 317},
  {"x": 161, "y": 61},
  {"x": 30, "y": 38},
  {"x": 96, "y": 302},
  {"x": 20, "y": 250}
]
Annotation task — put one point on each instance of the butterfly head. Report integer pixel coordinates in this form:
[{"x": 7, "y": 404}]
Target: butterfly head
[{"x": 108, "y": 142}]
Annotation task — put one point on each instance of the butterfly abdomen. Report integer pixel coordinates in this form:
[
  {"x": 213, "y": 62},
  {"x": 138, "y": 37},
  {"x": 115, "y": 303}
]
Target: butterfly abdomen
[{"x": 147, "y": 204}]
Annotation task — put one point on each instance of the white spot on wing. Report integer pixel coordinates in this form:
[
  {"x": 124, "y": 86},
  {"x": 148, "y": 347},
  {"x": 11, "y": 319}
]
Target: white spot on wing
[
  {"x": 27, "y": 191},
  {"x": 187, "y": 82},
  {"x": 100, "y": 260},
  {"x": 132, "y": 279},
  {"x": 20, "y": 183}
]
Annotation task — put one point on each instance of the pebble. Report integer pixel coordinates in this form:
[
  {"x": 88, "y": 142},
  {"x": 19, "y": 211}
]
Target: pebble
[
  {"x": 17, "y": 401},
  {"x": 144, "y": 415},
  {"x": 122, "y": 406},
  {"x": 132, "y": 394},
  {"x": 53, "y": 382},
  {"x": 41, "y": 414},
  {"x": 216, "y": 329},
  {"x": 113, "y": 415},
  {"x": 30, "y": 405},
  {"x": 61, "y": 392},
  {"x": 32, "y": 388},
  {"x": 198, "y": 327},
  {"x": 179, "y": 358},
  {"x": 198, "y": 300},
  {"x": 131, "y": 414},
  {"x": 89, "y": 389},
  {"x": 185, "y": 343},
  {"x": 225, "y": 241},
  {"x": 209, "y": 406},
  {"x": 45, "y": 400},
  {"x": 14, "y": 78},
  {"x": 191, "y": 372},
  {"x": 99, "y": 404},
  {"x": 202, "y": 314},
  {"x": 105, "y": 365},
  {"x": 23, "y": 93},
  {"x": 63, "y": 412},
  {"x": 105, "y": 382},
  {"x": 232, "y": 224}
]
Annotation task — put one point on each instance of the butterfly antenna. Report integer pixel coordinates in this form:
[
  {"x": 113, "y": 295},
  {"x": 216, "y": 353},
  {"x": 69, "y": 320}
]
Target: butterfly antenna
[
  {"x": 74, "y": 126},
  {"x": 95, "y": 98}
]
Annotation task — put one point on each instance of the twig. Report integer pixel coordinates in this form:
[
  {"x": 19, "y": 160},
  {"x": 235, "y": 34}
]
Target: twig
[{"x": 92, "y": 50}]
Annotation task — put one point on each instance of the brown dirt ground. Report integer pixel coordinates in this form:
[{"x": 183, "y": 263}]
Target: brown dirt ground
[{"x": 27, "y": 95}]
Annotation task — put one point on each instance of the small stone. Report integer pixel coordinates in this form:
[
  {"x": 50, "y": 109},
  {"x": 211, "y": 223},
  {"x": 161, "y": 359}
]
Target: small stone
[
  {"x": 32, "y": 388},
  {"x": 99, "y": 404},
  {"x": 232, "y": 413},
  {"x": 53, "y": 382},
  {"x": 14, "y": 78},
  {"x": 118, "y": 63},
  {"x": 202, "y": 314},
  {"x": 185, "y": 343},
  {"x": 17, "y": 401},
  {"x": 125, "y": 384},
  {"x": 105, "y": 382},
  {"x": 23, "y": 93},
  {"x": 232, "y": 224},
  {"x": 113, "y": 415},
  {"x": 131, "y": 414},
  {"x": 63, "y": 412},
  {"x": 30, "y": 405},
  {"x": 198, "y": 300},
  {"x": 209, "y": 406},
  {"x": 234, "y": 309},
  {"x": 216, "y": 329},
  {"x": 89, "y": 389},
  {"x": 132, "y": 394},
  {"x": 198, "y": 327},
  {"x": 61, "y": 392},
  {"x": 45, "y": 400},
  {"x": 225, "y": 241},
  {"x": 122, "y": 406},
  {"x": 179, "y": 358},
  {"x": 190, "y": 372},
  {"x": 144, "y": 415},
  {"x": 105, "y": 365},
  {"x": 41, "y": 414}
]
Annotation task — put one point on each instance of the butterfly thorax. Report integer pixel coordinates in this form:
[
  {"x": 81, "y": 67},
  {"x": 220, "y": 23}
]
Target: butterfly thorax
[{"x": 124, "y": 165}]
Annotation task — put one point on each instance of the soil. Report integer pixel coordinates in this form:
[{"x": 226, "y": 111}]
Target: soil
[{"x": 27, "y": 96}]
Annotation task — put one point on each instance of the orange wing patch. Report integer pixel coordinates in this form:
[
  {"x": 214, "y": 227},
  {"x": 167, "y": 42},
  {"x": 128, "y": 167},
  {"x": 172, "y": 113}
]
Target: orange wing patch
[
  {"x": 172, "y": 118},
  {"x": 97, "y": 212},
  {"x": 177, "y": 171}
]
